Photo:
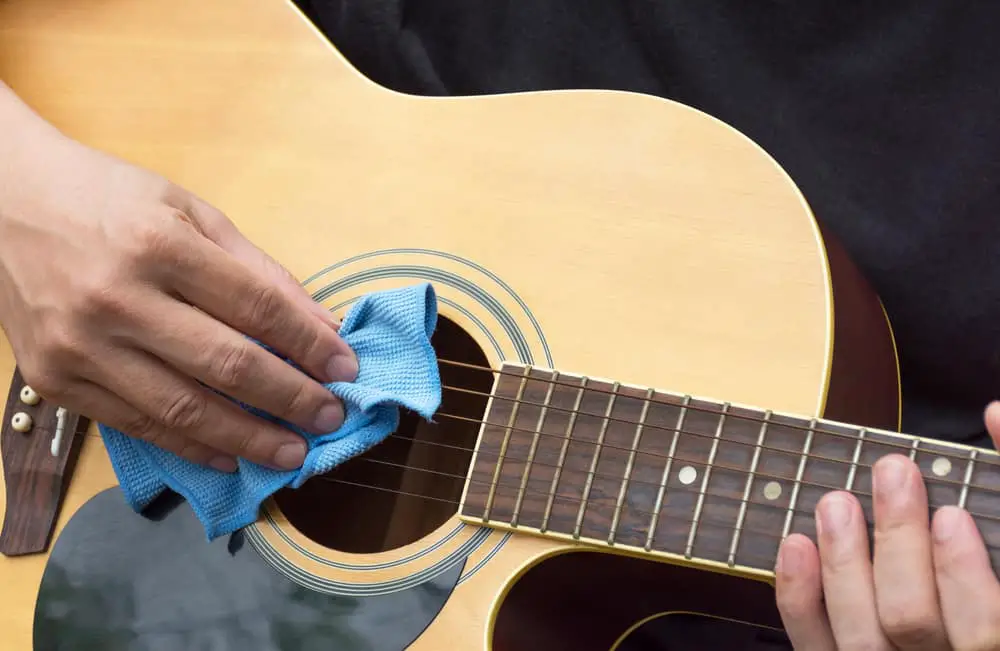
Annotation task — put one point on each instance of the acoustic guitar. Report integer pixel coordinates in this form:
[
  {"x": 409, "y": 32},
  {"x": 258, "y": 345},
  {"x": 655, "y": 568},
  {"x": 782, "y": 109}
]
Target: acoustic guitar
[{"x": 655, "y": 360}]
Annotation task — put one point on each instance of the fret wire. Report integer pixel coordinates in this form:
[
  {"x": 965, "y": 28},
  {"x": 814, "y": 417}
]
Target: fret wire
[
  {"x": 811, "y": 484},
  {"x": 746, "y": 490},
  {"x": 506, "y": 440},
  {"x": 562, "y": 452},
  {"x": 666, "y": 473},
  {"x": 735, "y": 416},
  {"x": 598, "y": 447},
  {"x": 628, "y": 467},
  {"x": 798, "y": 483},
  {"x": 913, "y": 449},
  {"x": 854, "y": 460},
  {"x": 755, "y": 419},
  {"x": 704, "y": 481},
  {"x": 968, "y": 477},
  {"x": 531, "y": 452}
]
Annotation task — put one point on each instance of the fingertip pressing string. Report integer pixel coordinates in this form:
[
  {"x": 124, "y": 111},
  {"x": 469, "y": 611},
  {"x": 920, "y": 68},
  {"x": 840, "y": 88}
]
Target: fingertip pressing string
[{"x": 390, "y": 333}]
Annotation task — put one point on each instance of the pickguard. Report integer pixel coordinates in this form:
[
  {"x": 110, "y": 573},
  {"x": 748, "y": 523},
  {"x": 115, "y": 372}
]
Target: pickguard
[{"x": 118, "y": 582}]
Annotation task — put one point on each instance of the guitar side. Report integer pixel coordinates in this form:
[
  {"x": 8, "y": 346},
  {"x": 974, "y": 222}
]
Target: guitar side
[{"x": 609, "y": 233}]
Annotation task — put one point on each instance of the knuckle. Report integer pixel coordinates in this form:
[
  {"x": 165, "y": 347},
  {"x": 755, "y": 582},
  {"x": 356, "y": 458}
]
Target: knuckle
[
  {"x": 59, "y": 347},
  {"x": 185, "y": 411},
  {"x": 150, "y": 239},
  {"x": 233, "y": 365},
  {"x": 44, "y": 377},
  {"x": 263, "y": 308},
  {"x": 142, "y": 427},
  {"x": 910, "y": 625}
]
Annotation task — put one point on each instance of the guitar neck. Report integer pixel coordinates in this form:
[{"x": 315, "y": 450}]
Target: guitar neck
[{"x": 692, "y": 479}]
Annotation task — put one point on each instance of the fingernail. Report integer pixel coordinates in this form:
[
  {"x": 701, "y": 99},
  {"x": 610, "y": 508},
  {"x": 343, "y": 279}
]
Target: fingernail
[
  {"x": 223, "y": 464},
  {"x": 290, "y": 455},
  {"x": 329, "y": 418},
  {"x": 834, "y": 514},
  {"x": 946, "y": 521},
  {"x": 342, "y": 368},
  {"x": 889, "y": 478}
]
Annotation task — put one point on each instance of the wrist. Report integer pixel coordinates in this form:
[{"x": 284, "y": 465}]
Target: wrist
[{"x": 26, "y": 142}]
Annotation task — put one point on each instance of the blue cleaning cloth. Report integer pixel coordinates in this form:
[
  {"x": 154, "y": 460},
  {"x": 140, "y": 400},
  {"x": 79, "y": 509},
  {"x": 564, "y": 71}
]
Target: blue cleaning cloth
[{"x": 390, "y": 333}]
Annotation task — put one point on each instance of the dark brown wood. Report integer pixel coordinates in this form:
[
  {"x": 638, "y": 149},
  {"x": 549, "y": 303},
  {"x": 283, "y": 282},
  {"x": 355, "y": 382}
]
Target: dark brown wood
[
  {"x": 864, "y": 381},
  {"x": 35, "y": 480},
  {"x": 607, "y": 464}
]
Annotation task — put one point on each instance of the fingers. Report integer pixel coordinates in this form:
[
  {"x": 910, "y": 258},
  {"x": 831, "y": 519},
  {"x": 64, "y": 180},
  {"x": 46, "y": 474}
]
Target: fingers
[
  {"x": 970, "y": 593},
  {"x": 799, "y": 592},
  {"x": 229, "y": 290},
  {"x": 907, "y": 598},
  {"x": 107, "y": 408},
  {"x": 171, "y": 406},
  {"x": 847, "y": 575},
  {"x": 202, "y": 348}
]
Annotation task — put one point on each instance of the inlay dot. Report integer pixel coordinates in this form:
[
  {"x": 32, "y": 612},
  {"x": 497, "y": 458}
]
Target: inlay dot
[
  {"x": 941, "y": 467},
  {"x": 772, "y": 490},
  {"x": 687, "y": 474}
]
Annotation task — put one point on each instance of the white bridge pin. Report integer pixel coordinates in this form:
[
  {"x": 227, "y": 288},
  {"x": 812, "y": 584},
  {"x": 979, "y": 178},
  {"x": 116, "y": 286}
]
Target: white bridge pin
[
  {"x": 21, "y": 422},
  {"x": 29, "y": 396}
]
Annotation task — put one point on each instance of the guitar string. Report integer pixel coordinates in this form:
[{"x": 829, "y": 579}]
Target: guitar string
[
  {"x": 578, "y": 499},
  {"x": 667, "y": 514},
  {"x": 753, "y": 419},
  {"x": 653, "y": 484},
  {"x": 698, "y": 546},
  {"x": 703, "y": 435},
  {"x": 761, "y": 474}
]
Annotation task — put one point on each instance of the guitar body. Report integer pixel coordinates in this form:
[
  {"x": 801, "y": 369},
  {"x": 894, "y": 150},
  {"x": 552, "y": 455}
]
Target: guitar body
[{"x": 611, "y": 234}]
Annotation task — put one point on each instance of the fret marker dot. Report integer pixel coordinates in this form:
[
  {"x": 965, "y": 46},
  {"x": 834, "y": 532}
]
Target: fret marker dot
[
  {"x": 941, "y": 467},
  {"x": 687, "y": 475},
  {"x": 772, "y": 490}
]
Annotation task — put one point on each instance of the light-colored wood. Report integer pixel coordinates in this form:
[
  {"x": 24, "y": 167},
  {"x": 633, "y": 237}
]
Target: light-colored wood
[{"x": 646, "y": 240}]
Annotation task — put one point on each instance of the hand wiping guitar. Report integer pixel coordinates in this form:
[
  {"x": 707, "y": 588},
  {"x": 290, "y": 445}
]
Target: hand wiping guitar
[{"x": 122, "y": 293}]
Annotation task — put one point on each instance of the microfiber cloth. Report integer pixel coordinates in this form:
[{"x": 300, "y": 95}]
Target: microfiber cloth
[{"x": 389, "y": 332}]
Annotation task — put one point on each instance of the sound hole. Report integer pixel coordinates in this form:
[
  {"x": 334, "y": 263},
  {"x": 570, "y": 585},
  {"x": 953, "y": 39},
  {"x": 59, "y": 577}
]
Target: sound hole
[{"x": 407, "y": 486}]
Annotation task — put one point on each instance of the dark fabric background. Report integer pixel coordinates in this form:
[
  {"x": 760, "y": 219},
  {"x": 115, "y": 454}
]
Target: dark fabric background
[{"x": 884, "y": 114}]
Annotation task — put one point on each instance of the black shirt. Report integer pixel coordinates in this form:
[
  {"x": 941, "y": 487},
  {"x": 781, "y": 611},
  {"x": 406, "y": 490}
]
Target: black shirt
[{"x": 886, "y": 115}]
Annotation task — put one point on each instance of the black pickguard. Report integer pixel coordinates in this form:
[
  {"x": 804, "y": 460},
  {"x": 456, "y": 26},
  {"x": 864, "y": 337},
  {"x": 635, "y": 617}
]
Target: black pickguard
[{"x": 116, "y": 581}]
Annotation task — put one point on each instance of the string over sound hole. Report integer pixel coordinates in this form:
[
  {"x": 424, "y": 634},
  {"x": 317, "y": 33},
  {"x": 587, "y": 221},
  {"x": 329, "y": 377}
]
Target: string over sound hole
[{"x": 411, "y": 483}]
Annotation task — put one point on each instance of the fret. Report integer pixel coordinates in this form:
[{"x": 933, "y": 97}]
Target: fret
[
  {"x": 503, "y": 446},
  {"x": 628, "y": 468},
  {"x": 854, "y": 460},
  {"x": 704, "y": 482},
  {"x": 593, "y": 462},
  {"x": 539, "y": 427},
  {"x": 562, "y": 454},
  {"x": 797, "y": 486},
  {"x": 731, "y": 561},
  {"x": 666, "y": 473},
  {"x": 913, "y": 449},
  {"x": 963, "y": 498}
]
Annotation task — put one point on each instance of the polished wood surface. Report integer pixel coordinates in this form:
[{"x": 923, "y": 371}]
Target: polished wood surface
[{"x": 611, "y": 234}]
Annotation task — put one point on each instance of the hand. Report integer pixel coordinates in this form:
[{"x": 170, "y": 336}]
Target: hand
[
  {"x": 931, "y": 586},
  {"x": 121, "y": 292}
]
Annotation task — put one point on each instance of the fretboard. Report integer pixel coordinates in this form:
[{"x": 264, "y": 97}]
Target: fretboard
[{"x": 660, "y": 473}]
